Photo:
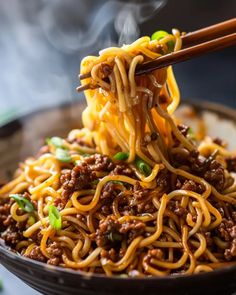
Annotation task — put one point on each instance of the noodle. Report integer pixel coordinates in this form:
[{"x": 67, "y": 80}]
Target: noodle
[{"x": 132, "y": 192}]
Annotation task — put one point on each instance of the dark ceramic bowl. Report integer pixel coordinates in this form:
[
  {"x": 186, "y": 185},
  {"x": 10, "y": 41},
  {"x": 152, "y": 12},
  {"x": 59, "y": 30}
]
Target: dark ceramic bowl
[{"x": 23, "y": 137}]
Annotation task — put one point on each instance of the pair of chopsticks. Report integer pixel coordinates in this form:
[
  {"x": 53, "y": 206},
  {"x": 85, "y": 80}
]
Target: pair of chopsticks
[{"x": 196, "y": 43}]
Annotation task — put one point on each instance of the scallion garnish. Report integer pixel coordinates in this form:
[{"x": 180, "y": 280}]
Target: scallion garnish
[
  {"x": 142, "y": 166},
  {"x": 23, "y": 203},
  {"x": 121, "y": 156},
  {"x": 114, "y": 237},
  {"x": 61, "y": 151},
  {"x": 54, "y": 217},
  {"x": 62, "y": 155},
  {"x": 158, "y": 35},
  {"x": 57, "y": 142},
  {"x": 117, "y": 182}
]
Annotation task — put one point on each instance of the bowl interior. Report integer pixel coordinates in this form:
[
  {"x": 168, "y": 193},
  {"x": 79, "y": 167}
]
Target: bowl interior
[{"x": 23, "y": 137}]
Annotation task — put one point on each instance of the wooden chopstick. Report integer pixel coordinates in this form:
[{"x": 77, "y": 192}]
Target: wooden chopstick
[
  {"x": 186, "y": 54},
  {"x": 209, "y": 33},
  {"x": 217, "y": 37}
]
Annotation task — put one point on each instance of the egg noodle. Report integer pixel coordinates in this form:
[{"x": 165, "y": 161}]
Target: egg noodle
[{"x": 160, "y": 208}]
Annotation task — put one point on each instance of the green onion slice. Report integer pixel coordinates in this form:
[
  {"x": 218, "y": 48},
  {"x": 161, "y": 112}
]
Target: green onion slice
[
  {"x": 22, "y": 202},
  {"x": 54, "y": 217},
  {"x": 56, "y": 141},
  {"x": 63, "y": 155},
  {"x": 121, "y": 156},
  {"x": 142, "y": 166},
  {"x": 114, "y": 237},
  {"x": 158, "y": 35}
]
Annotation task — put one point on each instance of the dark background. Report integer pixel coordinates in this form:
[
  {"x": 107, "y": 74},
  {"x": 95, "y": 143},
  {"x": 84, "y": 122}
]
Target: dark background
[{"x": 42, "y": 43}]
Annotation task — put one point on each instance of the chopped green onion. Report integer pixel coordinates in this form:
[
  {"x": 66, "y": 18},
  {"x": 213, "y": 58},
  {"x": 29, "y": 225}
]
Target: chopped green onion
[
  {"x": 96, "y": 181},
  {"x": 117, "y": 182},
  {"x": 114, "y": 237},
  {"x": 56, "y": 141},
  {"x": 158, "y": 35},
  {"x": 54, "y": 217},
  {"x": 85, "y": 155},
  {"x": 143, "y": 167},
  {"x": 190, "y": 131},
  {"x": 63, "y": 155},
  {"x": 48, "y": 140},
  {"x": 22, "y": 202},
  {"x": 121, "y": 156}
]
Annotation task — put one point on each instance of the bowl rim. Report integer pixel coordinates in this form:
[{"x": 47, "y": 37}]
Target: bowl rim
[
  {"x": 200, "y": 105},
  {"x": 12, "y": 255}
]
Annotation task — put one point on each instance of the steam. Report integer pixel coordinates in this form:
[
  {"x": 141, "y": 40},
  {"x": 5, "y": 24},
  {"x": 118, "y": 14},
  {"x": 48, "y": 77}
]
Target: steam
[{"x": 43, "y": 42}]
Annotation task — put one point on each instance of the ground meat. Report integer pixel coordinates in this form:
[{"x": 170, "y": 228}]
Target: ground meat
[
  {"x": 227, "y": 232},
  {"x": 224, "y": 229},
  {"x": 215, "y": 175},
  {"x": 110, "y": 254},
  {"x": 12, "y": 236},
  {"x": 54, "y": 261},
  {"x": 183, "y": 129},
  {"x": 164, "y": 180},
  {"x": 36, "y": 254},
  {"x": 110, "y": 190},
  {"x": 123, "y": 169},
  {"x": 111, "y": 232},
  {"x": 106, "y": 70},
  {"x": 78, "y": 178},
  {"x": 177, "y": 209},
  {"x": 208, "y": 168},
  {"x": 139, "y": 202},
  {"x": 54, "y": 249},
  {"x": 219, "y": 142},
  {"x": 230, "y": 253},
  {"x": 189, "y": 185},
  {"x": 196, "y": 161},
  {"x": 36, "y": 237},
  {"x": 231, "y": 164},
  {"x": 55, "y": 252},
  {"x": 98, "y": 162},
  {"x": 5, "y": 217},
  {"x": 60, "y": 203}
]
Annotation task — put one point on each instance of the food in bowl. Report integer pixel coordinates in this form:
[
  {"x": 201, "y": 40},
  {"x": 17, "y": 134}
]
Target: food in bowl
[{"x": 134, "y": 192}]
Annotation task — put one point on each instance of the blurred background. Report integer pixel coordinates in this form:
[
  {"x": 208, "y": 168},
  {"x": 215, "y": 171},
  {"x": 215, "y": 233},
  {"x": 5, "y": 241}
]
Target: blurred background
[{"x": 42, "y": 43}]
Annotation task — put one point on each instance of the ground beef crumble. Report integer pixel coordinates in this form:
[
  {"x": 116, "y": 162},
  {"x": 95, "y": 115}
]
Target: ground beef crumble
[
  {"x": 36, "y": 254},
  {"x": 231, "y": 164},
  {"x": 111, "y": 232},
  {"x": 98, "y": 162},
  {"x": 227, "y": 232},
  {"x": 78, "y": 178}
]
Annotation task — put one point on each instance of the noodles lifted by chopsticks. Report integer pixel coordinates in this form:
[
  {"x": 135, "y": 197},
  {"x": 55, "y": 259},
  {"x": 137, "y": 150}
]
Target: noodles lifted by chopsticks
[{"x": 133, "y": 192}]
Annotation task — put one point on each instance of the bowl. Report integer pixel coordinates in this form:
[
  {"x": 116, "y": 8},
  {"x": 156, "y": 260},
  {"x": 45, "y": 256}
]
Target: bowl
[{"x": 23, "y": 137}]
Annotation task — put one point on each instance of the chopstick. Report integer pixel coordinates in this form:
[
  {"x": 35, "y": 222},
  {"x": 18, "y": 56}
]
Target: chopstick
[
  {"x": 216, "y": 37},
  {"x": 186, "y": 54},
  {"x": 209, "y": 33}
]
